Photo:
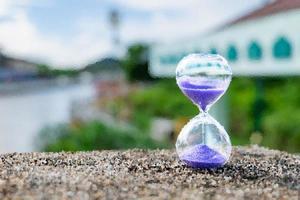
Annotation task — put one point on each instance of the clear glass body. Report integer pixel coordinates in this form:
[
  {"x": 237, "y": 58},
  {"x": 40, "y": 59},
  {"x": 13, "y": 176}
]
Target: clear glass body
[{"x": 203, "y": 142}]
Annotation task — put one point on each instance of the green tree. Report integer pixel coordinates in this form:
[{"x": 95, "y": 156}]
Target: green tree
[
  {"x": 136, "y": 62},
  {"x": 93, "y": 136},
  {"x": 48, "y": 71},
  {"x": 44, "y": 70}
]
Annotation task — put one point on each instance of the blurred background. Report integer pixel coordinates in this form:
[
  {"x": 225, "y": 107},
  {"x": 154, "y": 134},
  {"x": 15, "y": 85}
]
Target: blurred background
[{"x": 99, "y": 74}]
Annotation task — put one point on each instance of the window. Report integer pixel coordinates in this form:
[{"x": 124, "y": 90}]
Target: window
[
  {"x": 178, "y": 57},
  {"x": 254, "y": 51},
  {"x": 173, "y": 59},
  {"x": 282, "y": 48},
  {"x": 170, "y": 59},
  {"x": 213, "y": 51},
  {"x": 232, "y": 53}
]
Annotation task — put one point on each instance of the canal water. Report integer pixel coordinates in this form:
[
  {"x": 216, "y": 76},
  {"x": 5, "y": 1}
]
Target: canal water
[{"x": 23, "y": 115}]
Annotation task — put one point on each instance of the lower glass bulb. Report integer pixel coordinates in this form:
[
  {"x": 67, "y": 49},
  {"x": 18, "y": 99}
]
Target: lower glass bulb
[{"x": 203, "y": 143}]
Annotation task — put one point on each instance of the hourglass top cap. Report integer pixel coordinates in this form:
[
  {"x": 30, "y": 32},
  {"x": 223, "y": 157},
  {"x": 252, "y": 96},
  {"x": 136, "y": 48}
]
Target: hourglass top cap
[{"x": 203, "y": 64}]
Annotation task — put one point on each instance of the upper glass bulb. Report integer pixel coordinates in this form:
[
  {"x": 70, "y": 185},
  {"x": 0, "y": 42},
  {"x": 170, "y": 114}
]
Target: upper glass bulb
[{"x": 203, "y": 78}]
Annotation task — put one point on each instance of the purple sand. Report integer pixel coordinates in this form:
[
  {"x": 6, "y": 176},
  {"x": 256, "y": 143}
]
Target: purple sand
[
  {"x": 201, "y": 95},
  {"x": 201, "y": 156}
]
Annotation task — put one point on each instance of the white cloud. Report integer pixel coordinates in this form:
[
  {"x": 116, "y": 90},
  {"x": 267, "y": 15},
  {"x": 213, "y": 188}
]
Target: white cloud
[
  {"x": 19, "y": 37},
  {"x": 157, "y": 5},
  {"x": 91, "y": 41},
  {"x": 8, "y": 6},
  {"x": 189, "y": 18},
  {"x": 189, "y": 6},
  {"x": 164, "y": 28},
  {"x": 4, "y": 5}
]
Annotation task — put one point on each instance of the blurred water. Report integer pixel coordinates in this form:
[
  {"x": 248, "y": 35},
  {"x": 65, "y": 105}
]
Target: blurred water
[{"x": 23, "y": 115}]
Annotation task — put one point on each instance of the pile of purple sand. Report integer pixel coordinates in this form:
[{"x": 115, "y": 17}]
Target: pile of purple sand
[
  {"x": 202, "y": 95},
  {"x": 202, "y": 156}
]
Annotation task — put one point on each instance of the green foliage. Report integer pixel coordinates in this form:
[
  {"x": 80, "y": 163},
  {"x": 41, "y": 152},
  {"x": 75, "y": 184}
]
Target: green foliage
[
  {"x": 281, "y": 121},
  {"x": 241, "y": 96},
  {"x": 163, "y": 99},
  {"x": 64, "y": 72},
  {"x": 93, "y": 136},
  {"x": 281, "y": 116},
  {"x": 136, "y": 62},
  {"x": 160, "y": 99},
  {"x": 47, "y": 71},
  {"x": 141, "y": 120},
  {"x": 280, "y": 125},
  {"x": 43, "y": 70}
]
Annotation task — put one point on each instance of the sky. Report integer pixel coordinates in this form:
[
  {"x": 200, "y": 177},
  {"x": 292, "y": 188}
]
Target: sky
[{"x": 73, "y": 33}]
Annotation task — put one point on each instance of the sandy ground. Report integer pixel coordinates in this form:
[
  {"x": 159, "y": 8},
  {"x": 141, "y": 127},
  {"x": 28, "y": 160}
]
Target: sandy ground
[{"x": 252, "y": 173}]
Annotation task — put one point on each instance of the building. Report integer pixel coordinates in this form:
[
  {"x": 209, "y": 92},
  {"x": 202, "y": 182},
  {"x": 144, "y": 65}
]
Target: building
[
  {"x": 13, "y": 69},
  {"x": 264, "y": 42}
]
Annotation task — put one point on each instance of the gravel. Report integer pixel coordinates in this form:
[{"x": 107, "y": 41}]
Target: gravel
[{"x": 252, "y": 173}]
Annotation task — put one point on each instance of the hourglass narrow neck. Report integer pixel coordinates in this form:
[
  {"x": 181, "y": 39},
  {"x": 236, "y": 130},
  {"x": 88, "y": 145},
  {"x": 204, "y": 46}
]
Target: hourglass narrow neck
[
  {"x": 203, "y": 110},
  {"x": 205, "y": 118},
  {"x": 203, "y": 113}
]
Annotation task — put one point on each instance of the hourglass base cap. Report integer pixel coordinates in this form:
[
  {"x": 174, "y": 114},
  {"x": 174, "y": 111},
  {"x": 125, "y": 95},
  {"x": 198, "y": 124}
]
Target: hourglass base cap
[{"x": 202, "y": 156}]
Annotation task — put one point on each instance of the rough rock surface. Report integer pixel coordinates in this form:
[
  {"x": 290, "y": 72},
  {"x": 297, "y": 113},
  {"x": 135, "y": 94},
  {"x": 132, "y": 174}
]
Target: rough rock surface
[{"x": 252, "y": 173}]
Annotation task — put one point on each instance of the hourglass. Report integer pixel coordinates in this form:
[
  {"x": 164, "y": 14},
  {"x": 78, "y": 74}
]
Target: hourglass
[{"x": 203, "y": 142}]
